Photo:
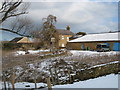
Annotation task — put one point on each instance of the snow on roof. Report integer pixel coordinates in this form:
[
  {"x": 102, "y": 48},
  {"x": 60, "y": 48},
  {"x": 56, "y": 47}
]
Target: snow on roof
[{"x": 98, "y": 37}]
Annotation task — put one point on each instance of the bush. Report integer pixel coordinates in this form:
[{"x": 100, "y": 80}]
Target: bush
[
  {"x": 38, "y": 45},
  {"x": 8, "y": 46}
]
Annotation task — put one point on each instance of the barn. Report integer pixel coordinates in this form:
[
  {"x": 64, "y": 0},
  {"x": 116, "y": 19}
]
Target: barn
[
  {"x": 92, "y": 40},
  {"x": 21, "y": 42}
]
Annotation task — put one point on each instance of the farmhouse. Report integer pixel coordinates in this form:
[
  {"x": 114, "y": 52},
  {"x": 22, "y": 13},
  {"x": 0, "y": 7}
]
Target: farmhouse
[
  {"x": 91, "y": 41},
  {"x": 64, "y": 36}
]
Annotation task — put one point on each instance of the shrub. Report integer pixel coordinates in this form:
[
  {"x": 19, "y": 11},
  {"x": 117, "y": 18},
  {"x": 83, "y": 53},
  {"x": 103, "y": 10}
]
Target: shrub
[{"x": 8, "y": 46}]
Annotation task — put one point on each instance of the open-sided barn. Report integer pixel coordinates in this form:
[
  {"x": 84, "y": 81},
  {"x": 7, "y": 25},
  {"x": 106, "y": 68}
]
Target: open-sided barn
[
  {"x": 21, "y": 42},
  {"x": 92, "y": 40}
]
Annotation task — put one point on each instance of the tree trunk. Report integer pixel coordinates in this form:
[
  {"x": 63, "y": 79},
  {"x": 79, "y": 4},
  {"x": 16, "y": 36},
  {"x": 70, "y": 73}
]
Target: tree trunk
[
  {"x": 13, "y": 81},
  {"x": 35, "y": 81},
  {"x": 69, "y": 76},
  {"x": 53, "y": 82},
  {"x": 49, "y": 84},
  {"x": 4, "y": 79},
  {"x": 56, "y": 74}
]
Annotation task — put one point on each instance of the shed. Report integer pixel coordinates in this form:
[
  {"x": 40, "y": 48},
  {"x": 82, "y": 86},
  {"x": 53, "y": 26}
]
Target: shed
[
  {"x": 91, "y": 41},
  {"x": 21, "y": 40}
]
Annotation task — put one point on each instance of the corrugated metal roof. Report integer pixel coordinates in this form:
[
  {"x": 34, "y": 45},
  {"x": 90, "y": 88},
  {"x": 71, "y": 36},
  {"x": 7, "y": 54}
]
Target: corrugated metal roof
[
  {"x": 16, "y": 39},
  {"x": 98, "y": 37}
]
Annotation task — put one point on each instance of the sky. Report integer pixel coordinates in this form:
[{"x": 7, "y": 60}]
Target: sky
[{"x": 90, "y": 16}]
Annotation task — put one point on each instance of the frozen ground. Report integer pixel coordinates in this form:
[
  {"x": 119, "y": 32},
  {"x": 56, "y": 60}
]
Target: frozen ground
[
  {"x": 92, "y": 53},
  {"x": 73, "y": 61},
  {"x": 25, "y": 85},
  {"x": 109, "y": 81},
  {"x": 30, "y": 52},
  {"x": 73, "y": 52}
]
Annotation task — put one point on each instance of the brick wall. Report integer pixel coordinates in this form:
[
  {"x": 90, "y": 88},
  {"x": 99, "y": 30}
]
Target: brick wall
[{"x": 92, "y": 45}]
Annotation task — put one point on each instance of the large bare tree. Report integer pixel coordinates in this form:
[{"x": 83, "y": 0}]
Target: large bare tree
[
  {"x": 47, "y": 30},
  {"x": 14, "y": 8}
]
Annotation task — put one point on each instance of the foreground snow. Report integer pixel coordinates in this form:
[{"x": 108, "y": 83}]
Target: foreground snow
[
  {"x": 109, "y": 81},
  {"x": 25, "y": 85}
]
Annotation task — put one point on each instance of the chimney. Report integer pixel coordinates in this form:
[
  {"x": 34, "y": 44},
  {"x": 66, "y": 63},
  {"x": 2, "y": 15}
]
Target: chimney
[{"x": 68, "y": 27}]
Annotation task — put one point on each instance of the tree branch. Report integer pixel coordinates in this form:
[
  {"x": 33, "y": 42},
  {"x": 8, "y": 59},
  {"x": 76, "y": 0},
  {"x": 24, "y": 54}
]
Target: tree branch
[
  {"x": 14, "y": 6},
  {"x": 17, "y": 14},
  {"x": 4, "y": 29}
]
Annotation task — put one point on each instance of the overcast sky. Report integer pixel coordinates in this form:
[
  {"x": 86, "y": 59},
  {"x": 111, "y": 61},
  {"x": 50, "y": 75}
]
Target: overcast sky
[{"x": 87, "y": 16}]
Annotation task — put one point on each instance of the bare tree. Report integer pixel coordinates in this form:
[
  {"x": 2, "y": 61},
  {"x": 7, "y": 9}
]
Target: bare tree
[
  {"x": 48, "y": 27},
  {"x": 21, "y": 25},
  {"x": 13, "y": 8},
  {"x": 46, "y": 31}
]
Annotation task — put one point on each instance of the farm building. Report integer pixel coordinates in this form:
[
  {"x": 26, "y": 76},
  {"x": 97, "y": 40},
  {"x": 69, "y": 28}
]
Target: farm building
[
  {"x": 21, "y": 42},
  {"x": 92, "y": 40},
  {"x": 64, "y": 36}
]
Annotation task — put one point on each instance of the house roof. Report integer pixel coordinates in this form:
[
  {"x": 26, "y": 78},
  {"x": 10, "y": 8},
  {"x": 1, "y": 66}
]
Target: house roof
[
  {"x": 98, "y": 37},
  {"x": 16, "y": 39},
  {"x": 64, "y": 32}
]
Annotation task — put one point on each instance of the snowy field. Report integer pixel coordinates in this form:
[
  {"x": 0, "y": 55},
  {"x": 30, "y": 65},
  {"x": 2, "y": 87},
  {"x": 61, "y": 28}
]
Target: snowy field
[
  {"x": 30, "y": 52},
  {"x": 25, "y": 85},
  {"x": 109, "y": 81},
  {"x": 92, "y": 53},
  {"x": 73, "y": 52}
]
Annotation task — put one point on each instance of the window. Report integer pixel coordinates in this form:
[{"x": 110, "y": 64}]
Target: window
[
  {"x": 62, "y": 37},
  {"x": 67, "y": 38},
  {"x": 82, "y": 47},
  {"x": 63, "y": 45},
  {"x": 102, "y": 46}
]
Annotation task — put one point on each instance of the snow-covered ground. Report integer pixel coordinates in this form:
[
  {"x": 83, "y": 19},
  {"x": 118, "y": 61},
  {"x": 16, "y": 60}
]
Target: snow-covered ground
[
  {"x": 92, "y": 53},
  {"x": 25, "y": 85},
  {"x": 109, "y": 81},
  {"x": 104, "y": 64},
  {"x": 74, "y": 52},
  {"x": 30, "y": 52}
]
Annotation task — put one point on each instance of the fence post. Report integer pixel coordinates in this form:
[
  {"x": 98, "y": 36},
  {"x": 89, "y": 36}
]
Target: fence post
[
  {"x": 53, "y": 82},
  {"x": 35, "y": 81},
  {"x": 4, "y": 79},
  {"x": 56, "y": 74},
  {"x": 69, "y": 76},
  {"x": 13, "y": 80},
  {"x": 49, "y": 83},
  {"x": 8, "y": 85}
]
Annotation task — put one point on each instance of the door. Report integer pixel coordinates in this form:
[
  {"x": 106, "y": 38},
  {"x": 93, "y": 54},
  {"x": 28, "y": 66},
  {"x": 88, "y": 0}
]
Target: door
[
  {"x": 116, "y": 46},
  {"x": 82, "y": 47}
]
